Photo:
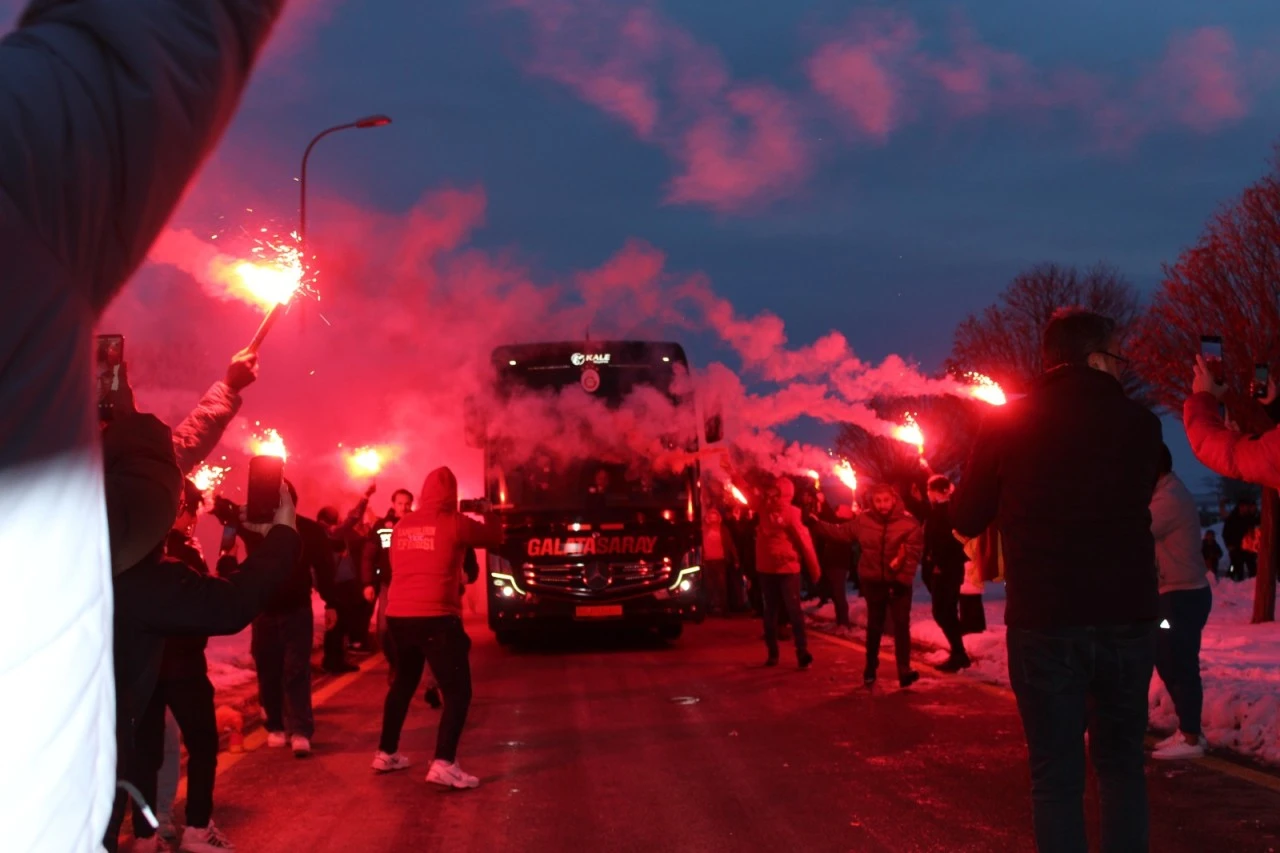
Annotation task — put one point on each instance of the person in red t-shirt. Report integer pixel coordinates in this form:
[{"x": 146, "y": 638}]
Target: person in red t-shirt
[{"x": 424, "y": 618}]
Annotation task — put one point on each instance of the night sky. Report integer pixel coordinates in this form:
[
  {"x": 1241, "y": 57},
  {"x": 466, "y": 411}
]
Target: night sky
[{"x": 846, "y": 166}]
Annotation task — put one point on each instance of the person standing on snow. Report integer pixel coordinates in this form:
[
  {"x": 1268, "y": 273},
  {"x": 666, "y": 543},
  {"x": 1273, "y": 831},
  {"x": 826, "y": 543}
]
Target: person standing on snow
[
  {"x": 1185, "y": 602},
  {"x": 892, "y": 542},
  {"x": 109, "y": 108},
  {"x": 783, "y": 547},
  {"x": 1068, "y": 472},
  {"x": 837, "y": 559},
  {"x": 1211, "y": 551},
  {"x": 944, "y": 569},
  {"x": 424, "y": 616}
]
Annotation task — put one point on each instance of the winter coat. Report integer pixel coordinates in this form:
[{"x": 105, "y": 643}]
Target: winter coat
[
  {"x": 199, "y": 433},
  {"x": 1068, "y": 472},
  {"x": 184, "y": 656},
  {"x": 742, "y": 532},
  {"x": 375, "y": 556},
  {"x": 348, "y": 544},
  {"x": 314, "y": 569},
  {"x": 108, "y": 109},
  {"x": 1254, "y": 458},
  {"x": 892, "y": 544},
  {"x": 1236, "y": 527},
  {"x": 783, "y": 544},
  {"x": 428, "y": 549},
  {"x": 1175, "y": 524},
  {"x": 1211, "y": 551},
  {"x": 944, "y": 558}
]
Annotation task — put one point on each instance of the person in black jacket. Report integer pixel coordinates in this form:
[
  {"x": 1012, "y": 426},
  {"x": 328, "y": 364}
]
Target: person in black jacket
[
  {"x": 943, "y": 570},
  {"x": 155, "y": 597},
  {"x": 282, "y": 635},
  {"x": 1067, "y": 473}
]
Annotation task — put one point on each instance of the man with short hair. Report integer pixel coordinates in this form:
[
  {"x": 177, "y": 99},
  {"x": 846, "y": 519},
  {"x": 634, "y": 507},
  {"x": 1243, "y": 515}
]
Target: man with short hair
[{"x": 1067, "y": 472}]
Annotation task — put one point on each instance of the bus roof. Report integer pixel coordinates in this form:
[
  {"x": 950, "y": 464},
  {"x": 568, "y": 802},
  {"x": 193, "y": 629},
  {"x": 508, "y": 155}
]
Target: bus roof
[{"x": 579, "y": 353}]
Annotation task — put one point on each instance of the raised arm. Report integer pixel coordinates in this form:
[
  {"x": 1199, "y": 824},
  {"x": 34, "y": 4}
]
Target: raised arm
[
  {"x": 1255, "y": 458},
  {"x": 109, "y": 108}
]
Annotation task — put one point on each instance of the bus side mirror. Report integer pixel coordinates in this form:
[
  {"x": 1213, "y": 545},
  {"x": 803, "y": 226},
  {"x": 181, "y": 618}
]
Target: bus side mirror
[
  {"x": 714, "y": 429},
  {"x": 473, "y": 423}
]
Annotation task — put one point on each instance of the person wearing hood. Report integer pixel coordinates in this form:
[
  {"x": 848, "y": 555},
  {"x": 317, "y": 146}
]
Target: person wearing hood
[
  {"x": 157, "y": 597},
  {"x": 1185, "y": 601},
  {"x": 424, "y": 617},
  {"x": 783, "y": 548},
  {"x": 892, "y": 543}
]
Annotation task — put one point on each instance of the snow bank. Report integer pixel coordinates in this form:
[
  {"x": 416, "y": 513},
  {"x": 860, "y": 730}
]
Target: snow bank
[{"x": 1240, "y": 665}]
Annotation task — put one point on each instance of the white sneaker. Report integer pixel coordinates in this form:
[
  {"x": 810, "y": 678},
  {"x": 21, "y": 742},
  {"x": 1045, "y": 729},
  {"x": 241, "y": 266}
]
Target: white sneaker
[
  {"x": 301, "y": 746},
  {"x": 1181, "y": 751},
  {"x": 276, "y": 740},
  {"x": 450, "y": 776},
  {"x": 207, "y": 840},
  {"x": 1176, "y": 737},
  {"x": 384, "y": 763}
]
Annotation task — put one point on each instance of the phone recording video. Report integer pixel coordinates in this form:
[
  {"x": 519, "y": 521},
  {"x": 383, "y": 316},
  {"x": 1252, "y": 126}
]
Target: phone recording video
[
  {"x": 1211, "y": 350},
  {"x": 266, "y": 473},
  {"x": 1261, "y": 379},
  {"x": 110, "y": 359}
]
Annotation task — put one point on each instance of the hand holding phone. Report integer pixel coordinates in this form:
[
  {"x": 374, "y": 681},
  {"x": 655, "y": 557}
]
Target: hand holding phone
[
  {"x": 266, "y": 479},
  {"x": 286, "y": 514},
  {"x": 1261, "y": 381},
  {"x": 114, "y": 395},
  {"x": 1204, "y": 381}
]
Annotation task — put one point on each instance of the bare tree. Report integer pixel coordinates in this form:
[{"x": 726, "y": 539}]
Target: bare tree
[
  {"x": 1227, "y": 284},
  {"x": 1004, "y": 342}
]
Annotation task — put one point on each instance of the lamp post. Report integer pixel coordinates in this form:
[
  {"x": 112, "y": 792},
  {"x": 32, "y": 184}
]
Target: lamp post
[{"x": 367, "y": 121}]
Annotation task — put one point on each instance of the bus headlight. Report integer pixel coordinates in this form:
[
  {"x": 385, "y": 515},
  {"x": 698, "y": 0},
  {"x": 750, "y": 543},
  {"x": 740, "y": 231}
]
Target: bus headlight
[
  {"x": 503, "y": 578},
  {"x": 687, "y": 579}
]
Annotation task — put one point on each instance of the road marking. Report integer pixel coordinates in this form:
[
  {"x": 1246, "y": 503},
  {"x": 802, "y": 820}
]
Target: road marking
[
  {"x": 1220, "y": 765},
  {"x": 258, "y": 737}
]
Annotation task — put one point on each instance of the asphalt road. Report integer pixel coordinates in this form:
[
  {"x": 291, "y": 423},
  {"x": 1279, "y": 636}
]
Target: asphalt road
[{"x": 599, "y": 742}]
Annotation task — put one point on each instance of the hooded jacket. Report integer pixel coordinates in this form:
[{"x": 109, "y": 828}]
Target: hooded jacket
[
  {"x": 892, "y": 544},
  {"x": 1068, "y": 473},
  {"x": 944, "y": 555},
  {"x": 1175, "y": 524},
  {"x": 108, "y": 109},
  {"x": 428, "y": 549},
  {"x": 783, "y": 543}
]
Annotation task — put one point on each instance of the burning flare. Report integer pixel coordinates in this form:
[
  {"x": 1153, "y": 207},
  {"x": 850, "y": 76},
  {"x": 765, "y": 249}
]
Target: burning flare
[
  {"x": 364, "y": 462},
  {"x": 986, "y": 389},
  {"x": 267, "y": 443},
  {"x": 209, "y": 477},
  {"x": 271, "y": 279},
  {"x": 844, "y": 471},
  {"x": 738, "y": 495},
  {"x": 814, "y": 475},
  {"x": 910, "y": 433}
]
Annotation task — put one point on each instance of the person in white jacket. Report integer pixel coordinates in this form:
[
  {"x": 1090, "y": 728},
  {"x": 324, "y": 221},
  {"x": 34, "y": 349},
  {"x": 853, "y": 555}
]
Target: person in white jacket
[
  {"x": 1185, "y": 601},
  {"x": 108, "y": 110}
]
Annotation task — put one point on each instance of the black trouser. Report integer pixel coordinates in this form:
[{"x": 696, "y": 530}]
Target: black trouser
[
  {"x": 945, "y": 591},
  {"x": 1244, "y": 564},
  {"x": 441, "y": 642},
  {"x": 781, "y": 594},
  {"x": 837, "y": 583},
  {"x": 888, "y": 599},
  {"x": 1185, "y": 613},
  {"x": 281, "y": 648},
  {"x": 350, "y": 609},
  {"x": 1067, "y": 681},
  {"x": 191, "y": 700}
]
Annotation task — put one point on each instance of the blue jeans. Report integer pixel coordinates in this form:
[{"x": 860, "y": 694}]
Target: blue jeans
[
  {"x": 1067, "y": 681},
  {"x": 1186, "y": 611}
]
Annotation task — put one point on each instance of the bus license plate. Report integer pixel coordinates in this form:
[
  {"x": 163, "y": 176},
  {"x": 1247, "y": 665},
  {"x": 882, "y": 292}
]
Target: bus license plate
[{"x": 606, "y": 611}]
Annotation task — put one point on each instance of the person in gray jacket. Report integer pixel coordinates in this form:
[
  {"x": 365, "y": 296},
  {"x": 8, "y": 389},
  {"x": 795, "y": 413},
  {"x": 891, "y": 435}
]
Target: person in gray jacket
[
  {"x": 108, "y": 109},
  {"x": 1185, "y": 601}
]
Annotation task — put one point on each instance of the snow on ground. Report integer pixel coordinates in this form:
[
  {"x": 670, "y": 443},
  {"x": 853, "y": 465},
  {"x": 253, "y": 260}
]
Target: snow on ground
[{"x": 1240, "y": 665}]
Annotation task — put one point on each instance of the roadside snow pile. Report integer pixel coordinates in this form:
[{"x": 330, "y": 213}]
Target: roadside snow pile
[
  {"x": 1240, "y": 663},
  {"x": 230, "y": 662}
]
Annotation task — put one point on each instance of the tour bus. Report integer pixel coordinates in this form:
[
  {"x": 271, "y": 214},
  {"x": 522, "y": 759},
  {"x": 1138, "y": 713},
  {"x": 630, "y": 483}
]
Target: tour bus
[{"x": 591, "y": 539}]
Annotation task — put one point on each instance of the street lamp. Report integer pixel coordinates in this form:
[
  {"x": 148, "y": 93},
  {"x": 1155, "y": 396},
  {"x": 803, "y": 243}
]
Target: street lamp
[{"x": 367, "y": 121}]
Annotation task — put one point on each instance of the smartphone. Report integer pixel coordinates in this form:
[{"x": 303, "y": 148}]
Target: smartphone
[
  {"x": 1261, "y": 378},
  {"x": 1211, "y": 349},
  {"x": 110, "y": 358},
  {"x": 266, "y": 473}
]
